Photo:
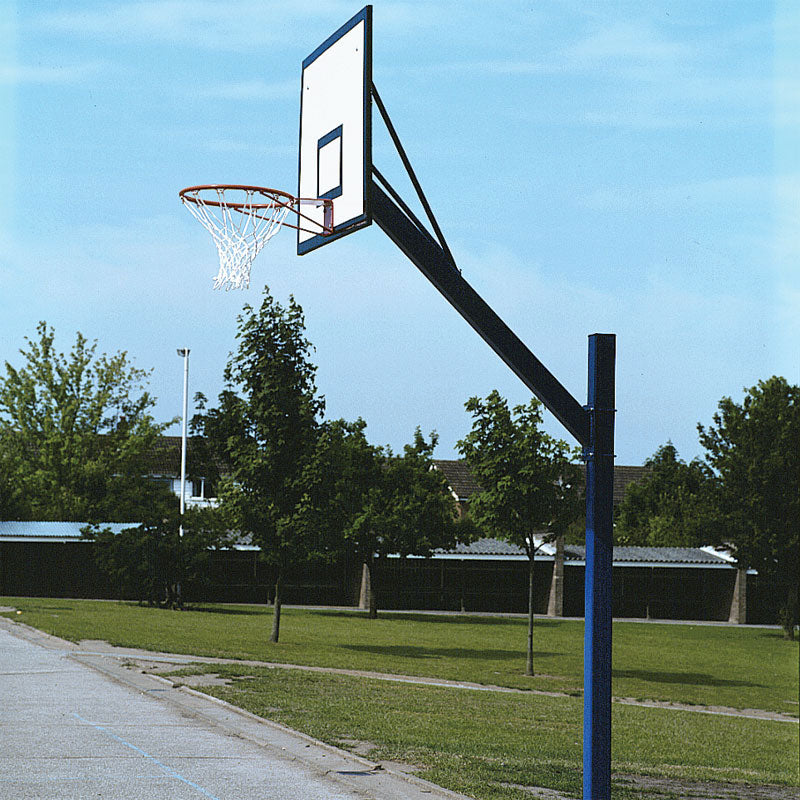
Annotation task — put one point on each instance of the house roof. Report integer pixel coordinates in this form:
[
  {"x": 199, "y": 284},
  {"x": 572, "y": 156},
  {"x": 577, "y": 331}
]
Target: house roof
[
  {"x": 463, "y": 484},
  {"x": 624, "y": 476},
  {"x": 459, "y": 477},
  {"x": 165, "y": 457}
]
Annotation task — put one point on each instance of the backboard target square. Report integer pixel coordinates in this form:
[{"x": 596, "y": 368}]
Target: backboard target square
[
  {"x": 329, "y": 164},
  {"x": 335, "y": 158}
]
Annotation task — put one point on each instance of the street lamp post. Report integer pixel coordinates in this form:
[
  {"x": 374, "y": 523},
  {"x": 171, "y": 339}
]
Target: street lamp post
[{"x": 183, "y": 352}]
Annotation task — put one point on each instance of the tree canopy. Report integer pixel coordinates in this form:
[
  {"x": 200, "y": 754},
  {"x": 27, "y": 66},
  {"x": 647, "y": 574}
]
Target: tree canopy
[
  {"x": 753, "y": 452},
  {"x": 153, "y": 563},
  {"x": 265, "y": 429},
  {"x": 341, "y": 472},
  {"x": 407, "y": 509},
  {"x": 75, "y": 435},
  {"x": 668, "y": 507},
  {"x": 530, "y": 483}
]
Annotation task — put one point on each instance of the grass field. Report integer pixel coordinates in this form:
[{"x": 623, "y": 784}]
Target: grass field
[{"x": 483, "y": 743}]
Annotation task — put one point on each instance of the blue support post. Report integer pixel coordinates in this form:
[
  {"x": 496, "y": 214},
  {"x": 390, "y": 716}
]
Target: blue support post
[{"x": 599, "y": 560}]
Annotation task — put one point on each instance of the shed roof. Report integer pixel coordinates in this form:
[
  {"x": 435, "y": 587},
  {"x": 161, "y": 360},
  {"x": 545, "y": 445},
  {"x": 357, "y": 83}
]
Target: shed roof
[
  {"x": 15, "y": 531},
  {"x": 497, "y": 549},
  {"x": 61, "y": 532}
]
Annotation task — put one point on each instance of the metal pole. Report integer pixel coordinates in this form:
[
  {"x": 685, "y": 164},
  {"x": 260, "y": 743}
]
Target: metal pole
[
  {"x": 592, "y": 425},
  {"x": 185, "y": 353},
  {"x": 599, "y": 560}
]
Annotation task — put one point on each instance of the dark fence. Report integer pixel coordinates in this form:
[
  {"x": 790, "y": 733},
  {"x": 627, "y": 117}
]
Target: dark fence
[{"x": 50, "y": 569}]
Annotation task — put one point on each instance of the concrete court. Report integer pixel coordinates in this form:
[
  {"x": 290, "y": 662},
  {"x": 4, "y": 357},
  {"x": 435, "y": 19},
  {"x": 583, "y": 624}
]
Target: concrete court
[{"x": 75, "y": 726}]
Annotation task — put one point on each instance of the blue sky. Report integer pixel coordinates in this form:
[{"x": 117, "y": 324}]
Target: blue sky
[{"x": 615, "y": 167}]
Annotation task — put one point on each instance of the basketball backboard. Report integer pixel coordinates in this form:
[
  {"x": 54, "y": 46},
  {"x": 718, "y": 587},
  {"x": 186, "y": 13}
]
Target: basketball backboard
[{"x": 336, "y": 130}]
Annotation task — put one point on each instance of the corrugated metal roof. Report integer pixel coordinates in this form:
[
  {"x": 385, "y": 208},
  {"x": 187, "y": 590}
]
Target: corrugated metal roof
[
  {"x": 486, "y": 547},
  {"x": 655, "y": 555},
  {"x": 71, "y": 532},
  {"x": 15, "y": 531},
  {"x": 482, "y": 548},
  {"x": 575, "y": 554}
]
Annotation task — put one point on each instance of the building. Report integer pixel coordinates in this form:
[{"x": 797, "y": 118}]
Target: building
[
  {"x": 490, "y": 575},
  {"x": 52, "y": 559},
  {"x": 165, "y": 466}
]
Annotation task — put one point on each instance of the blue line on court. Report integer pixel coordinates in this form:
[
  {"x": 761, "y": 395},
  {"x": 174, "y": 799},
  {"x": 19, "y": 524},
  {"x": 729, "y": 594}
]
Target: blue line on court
[{"x": 139, "y": 750}]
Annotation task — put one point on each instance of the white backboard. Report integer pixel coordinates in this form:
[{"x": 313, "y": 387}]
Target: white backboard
[{"x": 336, "y": 130}]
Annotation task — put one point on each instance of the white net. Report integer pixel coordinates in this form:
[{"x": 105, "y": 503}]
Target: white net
[{"x": 240, "y": 223}]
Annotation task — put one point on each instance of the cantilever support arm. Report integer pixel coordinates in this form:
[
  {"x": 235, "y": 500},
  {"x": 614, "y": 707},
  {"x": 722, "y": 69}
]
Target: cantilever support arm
[{"x": 437, "y": 267}]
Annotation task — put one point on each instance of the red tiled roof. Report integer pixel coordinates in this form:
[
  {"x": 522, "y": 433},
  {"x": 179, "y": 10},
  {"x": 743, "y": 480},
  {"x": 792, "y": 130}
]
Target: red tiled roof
[
  {"x": 459, "y": 477},
  {"x": 165, "y": 458}
]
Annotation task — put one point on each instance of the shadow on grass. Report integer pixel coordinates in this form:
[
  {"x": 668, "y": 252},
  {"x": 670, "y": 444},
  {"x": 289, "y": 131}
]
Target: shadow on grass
[
  {"x": 444, "y": 618},
  {"x": 410, "y": 651},
  {"x": 777, "y": 634},
  {"x": 247, "y": 612},
  {"x": 689, "y": 678}
]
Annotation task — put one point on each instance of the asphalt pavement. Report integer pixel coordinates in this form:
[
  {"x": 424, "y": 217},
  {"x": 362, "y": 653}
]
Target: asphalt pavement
[{"x": 77, "y": 725}]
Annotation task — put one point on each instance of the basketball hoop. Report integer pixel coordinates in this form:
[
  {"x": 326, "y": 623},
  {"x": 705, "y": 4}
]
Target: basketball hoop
[{"x": 242, "y": 219}]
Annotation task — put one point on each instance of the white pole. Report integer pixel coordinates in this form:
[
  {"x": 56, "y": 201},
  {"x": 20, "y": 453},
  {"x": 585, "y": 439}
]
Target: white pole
[{"x": 185, "y": 353}]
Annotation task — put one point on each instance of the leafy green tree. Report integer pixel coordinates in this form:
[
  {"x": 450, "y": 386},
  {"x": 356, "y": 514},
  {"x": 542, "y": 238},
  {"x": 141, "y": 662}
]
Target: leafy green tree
[
  {"x": 530, "y": 484},
  {"x": 667, "y": 508},
  {"x": 75, "y": 435},
  {"x": 11, "y": 505},
  {"x": 152, "y": 562},
  {"x": 337, "y": 478},
  {"x": 265, "y": 431},
  {"x": 407, "y": 511},
  {"x": 753, "y": 450}
]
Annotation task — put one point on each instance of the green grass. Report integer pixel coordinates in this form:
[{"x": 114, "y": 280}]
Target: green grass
[
  {"x": 479, "y": 742},
  {"x": 484, "y": 744},
  {"x": 707, "y": 665}
]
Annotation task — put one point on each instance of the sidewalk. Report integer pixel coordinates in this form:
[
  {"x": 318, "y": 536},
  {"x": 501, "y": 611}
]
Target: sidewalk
[{"x": 75, "y": 726}]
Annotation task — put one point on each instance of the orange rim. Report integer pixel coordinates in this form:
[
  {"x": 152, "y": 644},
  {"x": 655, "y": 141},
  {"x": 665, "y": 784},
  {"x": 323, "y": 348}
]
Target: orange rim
[{"x": 279, "y": 199}]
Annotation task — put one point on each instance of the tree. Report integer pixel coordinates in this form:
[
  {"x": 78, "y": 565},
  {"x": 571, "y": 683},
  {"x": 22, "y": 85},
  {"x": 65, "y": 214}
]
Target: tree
[
  {"x": 407, "y": 511},
  {"x": 265, "y": 430},
  {"x": 530, "y": 484},
  {"x": 152, "y": 562},
  {"x": 753, "y": 453},
  {"x": 337, "y": 478},
  {"x": 75, "y": 435},
  {"x": 666, "y": 509}
]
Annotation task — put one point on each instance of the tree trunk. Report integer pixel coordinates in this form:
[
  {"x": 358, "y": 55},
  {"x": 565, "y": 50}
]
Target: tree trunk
[
  {"x": 363, "y": 594},
  {"x": 788, "y": 614},
  {"x": 276, "y": 611},
  {"x": 555, "y": 603},
  {"x": 373, "y": 600},
  {"x": 529, "y": 665}
]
